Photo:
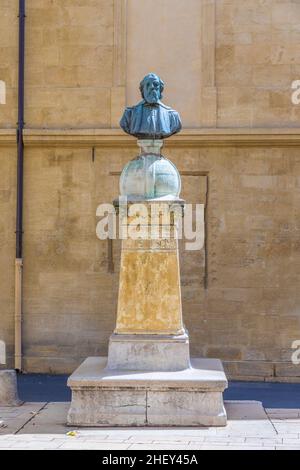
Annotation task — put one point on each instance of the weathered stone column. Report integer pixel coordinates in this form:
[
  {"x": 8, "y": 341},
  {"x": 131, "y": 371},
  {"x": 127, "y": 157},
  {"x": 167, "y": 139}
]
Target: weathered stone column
[
  {"x": 149, "y": 288},
  {"x": 149, "y": 331}
]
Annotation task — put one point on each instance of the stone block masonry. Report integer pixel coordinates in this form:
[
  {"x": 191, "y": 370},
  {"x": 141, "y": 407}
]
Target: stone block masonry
[{"x": 240, "y": 297}]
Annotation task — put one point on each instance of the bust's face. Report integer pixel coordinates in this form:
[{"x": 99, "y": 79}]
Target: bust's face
[{"x": 151, "y": 90}]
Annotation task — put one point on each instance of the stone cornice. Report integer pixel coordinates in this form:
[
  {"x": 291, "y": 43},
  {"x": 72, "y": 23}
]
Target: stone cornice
[
  {"x": 8, "y": 137},
  {"x": 205, "y": 137}
]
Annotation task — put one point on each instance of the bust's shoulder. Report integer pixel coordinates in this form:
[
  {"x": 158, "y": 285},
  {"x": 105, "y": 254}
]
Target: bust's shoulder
[
  {"x": 168, "y": 108},
  {"x": 163, "y": 105},
  {"x": 134, "y": 107}
]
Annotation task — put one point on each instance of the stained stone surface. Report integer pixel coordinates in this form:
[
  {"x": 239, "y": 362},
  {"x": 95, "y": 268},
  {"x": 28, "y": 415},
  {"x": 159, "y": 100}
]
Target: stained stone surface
[
  {"x": 185, "y": 408},
  {"x": 149, "y": 352},
  {"x": 105, "y": 397},
  {"x": 149, "y": 299},
  {"x": 8, "y": 388},
  {"x": 149, "y": 293}
]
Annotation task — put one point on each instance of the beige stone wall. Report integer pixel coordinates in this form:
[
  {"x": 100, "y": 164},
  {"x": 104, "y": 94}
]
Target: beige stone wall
[
  {"x": 240, "y": 293},
  {"x": 7, "y": 246},
  {"x": 257, "y": 59},
  {"x": 69, "y": 63},
  {"x": 8, "y": 61},
  {"x": 179, "y": 52},
  {"x": 249, "y": 310},
  {"x": 239, "y": 60}
]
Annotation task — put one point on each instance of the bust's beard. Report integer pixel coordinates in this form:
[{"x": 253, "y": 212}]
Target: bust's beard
[{"x": 152, "y": 98}]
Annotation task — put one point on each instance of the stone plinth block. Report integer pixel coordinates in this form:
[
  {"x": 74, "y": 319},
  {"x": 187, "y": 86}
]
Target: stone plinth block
[
  {"x": 149, "y": 352},
  {"x": 105, "y": 397},
  {"x": 8, "y": 388}
]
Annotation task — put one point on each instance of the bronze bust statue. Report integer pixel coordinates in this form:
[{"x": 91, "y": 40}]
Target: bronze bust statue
[{"x": 151, "y": 119}]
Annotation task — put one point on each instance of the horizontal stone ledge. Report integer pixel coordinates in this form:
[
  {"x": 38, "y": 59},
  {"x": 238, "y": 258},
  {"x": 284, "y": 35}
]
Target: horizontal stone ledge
[
  {"x": 203, "y": 375},
  {"x": 8, "y": 137},
  {"x": 287, "y": 369},
  {"x": 253, "y": 368},
  {"x": 266, "y": 370},
  {"x": 204, "y": 137}
]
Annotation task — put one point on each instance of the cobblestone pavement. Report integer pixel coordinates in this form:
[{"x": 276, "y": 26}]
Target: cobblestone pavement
[{"x": 250, "y": 426}]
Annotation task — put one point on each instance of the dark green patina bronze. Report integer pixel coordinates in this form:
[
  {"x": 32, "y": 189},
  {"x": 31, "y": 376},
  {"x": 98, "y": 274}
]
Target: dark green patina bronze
[{"x": 151, "y": 119}]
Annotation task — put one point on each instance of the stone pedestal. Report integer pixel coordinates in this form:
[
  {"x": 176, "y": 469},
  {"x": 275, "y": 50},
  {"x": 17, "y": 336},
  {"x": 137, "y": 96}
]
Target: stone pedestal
[
  {"x": 149, "y": 301},
  {"x": 8, "y": 388},
  {"x": 148, "y": 377},
  {"x": 105, "y": 397},
  {"x": 149, "y": 352}
]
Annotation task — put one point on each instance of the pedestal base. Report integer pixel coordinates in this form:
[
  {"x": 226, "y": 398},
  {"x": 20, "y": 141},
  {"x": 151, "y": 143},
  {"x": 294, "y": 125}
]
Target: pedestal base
[
  {"x": 149, "y": 352},
  {"x": 105, "y": 397}
]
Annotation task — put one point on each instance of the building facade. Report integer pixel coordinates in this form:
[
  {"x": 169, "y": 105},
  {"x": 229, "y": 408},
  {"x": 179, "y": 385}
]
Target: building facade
[{"x": 229, "y": 67}]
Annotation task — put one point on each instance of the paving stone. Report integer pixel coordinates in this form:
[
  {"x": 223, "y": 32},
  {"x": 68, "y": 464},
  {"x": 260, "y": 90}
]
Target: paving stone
[
  {"x": 166, "y": 438},
  {"x": 264, "y": 441},
  {"x": 224, "y": 439},
  {"x": 286, "y": 428},
  {"x": 216, "y": 447},
  {"x": 17, "y": 418},
  {"x": 51, "y": 420},
  {"x": 291, "y": 442},
  {"x": 5, "y": 445},
  {"x": 42, "y": 426},
  {"x": 250, "y": 448},
  {"x": 286, "y": 420},
  {"x": 283, "y": 413},
  {"x": 163, "y": 446},
  {"x": 247, "y": 418},
  {"x": 91, "y": 446},
  {"x": 285, "y": 447},
  {"x": 37, "y": 445}
]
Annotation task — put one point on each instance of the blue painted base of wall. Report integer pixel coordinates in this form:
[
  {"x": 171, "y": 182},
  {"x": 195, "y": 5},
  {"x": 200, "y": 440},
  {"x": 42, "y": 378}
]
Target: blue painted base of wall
[{"x": 40, "y": 388}]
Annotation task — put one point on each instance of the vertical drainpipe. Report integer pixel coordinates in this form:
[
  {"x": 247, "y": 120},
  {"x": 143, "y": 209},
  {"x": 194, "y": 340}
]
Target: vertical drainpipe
[{"x": 19, "y": 214}]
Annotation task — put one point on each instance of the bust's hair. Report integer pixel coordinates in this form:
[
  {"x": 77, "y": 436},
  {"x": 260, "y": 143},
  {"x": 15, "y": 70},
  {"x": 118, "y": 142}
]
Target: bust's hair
[{"x": 151, "y": 75}]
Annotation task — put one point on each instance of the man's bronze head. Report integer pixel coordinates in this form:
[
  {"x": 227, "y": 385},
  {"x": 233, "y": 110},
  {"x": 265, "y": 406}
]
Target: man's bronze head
[{"x": 151, "y": 88}]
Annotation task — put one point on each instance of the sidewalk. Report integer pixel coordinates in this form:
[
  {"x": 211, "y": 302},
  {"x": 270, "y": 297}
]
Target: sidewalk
[
  {"x": 250, "y": 426},
  {"x": 260, "y": 416}
]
